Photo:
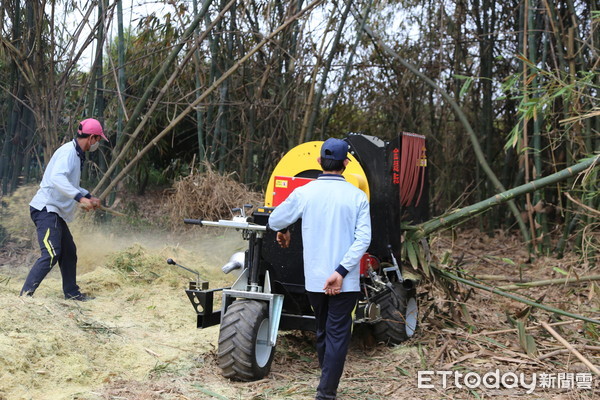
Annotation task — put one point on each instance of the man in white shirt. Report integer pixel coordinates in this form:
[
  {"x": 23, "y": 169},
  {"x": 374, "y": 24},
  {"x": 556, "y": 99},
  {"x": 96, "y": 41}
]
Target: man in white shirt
[
  {"x": 336, "y": 232},
  {"x": 54, "y": 205}
]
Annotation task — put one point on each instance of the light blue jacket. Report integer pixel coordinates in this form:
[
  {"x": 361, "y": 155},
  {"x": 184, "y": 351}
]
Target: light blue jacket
[
  {"x": 60, "y": 184},
  {"x": 336, "y": 228}
]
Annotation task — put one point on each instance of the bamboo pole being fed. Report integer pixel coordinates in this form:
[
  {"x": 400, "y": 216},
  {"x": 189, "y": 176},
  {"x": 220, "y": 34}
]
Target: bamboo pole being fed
[
  {"x": 573, "y": 350},
  {"x": 497, "y": 291},
  {"x": 456, "y": 217},
  {"x": 548, "y": 282}
]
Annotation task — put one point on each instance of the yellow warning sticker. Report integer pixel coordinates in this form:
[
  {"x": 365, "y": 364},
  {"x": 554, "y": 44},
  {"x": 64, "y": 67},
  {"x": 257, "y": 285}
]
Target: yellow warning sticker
[{"x": 280, "y": 183}]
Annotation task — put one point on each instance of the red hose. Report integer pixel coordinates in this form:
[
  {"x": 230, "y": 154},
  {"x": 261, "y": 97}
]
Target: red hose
[{"x": 412, "y": 172}]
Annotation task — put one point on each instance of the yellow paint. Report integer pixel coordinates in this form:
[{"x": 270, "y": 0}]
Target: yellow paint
[
  {"x": 304, "y": 158},
  {"x": 48, "y": 246}
]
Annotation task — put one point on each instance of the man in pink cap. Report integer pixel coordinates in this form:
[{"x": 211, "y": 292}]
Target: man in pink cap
[{"x": 54, "y": 205}]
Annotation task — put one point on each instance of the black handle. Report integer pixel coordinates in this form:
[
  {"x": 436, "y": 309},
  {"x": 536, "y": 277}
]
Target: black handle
[{"x": 192, "y": 221}]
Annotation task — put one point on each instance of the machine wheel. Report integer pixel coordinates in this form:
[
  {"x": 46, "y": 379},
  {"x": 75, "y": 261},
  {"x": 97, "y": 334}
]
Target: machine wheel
[
  {"x": 399, "y": 314},
  {"x": 244, "y": 353}
]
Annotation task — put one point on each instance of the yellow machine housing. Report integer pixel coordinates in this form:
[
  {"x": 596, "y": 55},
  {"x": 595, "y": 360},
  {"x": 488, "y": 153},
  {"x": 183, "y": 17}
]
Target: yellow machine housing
[{"x": 301, "y": 161}]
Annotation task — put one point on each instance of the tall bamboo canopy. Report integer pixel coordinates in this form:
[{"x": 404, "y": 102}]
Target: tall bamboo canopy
[{"x": 506, "y": 93}]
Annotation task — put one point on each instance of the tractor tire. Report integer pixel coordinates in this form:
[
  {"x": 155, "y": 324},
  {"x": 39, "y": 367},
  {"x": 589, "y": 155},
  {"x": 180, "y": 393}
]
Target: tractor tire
[
  {"x": 399, "y": 314},
  {"x": 244, "y": 353}
]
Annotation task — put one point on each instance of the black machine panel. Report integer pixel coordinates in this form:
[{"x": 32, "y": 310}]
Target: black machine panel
[
  {"x": 372, "y": 154},
  {"x": 285, "y": 266}
]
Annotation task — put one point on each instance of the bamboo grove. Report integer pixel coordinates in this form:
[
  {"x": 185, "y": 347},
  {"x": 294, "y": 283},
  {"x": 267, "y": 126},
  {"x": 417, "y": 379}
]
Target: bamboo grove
[{"x": 507, "y": 89}]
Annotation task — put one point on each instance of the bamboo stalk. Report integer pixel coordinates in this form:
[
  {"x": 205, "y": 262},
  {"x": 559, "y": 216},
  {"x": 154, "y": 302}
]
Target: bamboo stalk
[
  {"x": 548, "y": 282},
  {"x": 201, "y": 98},
  {"x": 514, "y": 297},
  {"x": 576, "y": 353},
  {"x": 485, "y": 277},
  {"x": 121, "y": 147},
  {"x": 111, "y": 211},
  {"x": 458, "y": 216}
]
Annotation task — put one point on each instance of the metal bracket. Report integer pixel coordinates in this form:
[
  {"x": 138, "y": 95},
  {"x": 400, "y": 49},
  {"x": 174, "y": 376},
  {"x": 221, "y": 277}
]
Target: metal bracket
[{"x": 275, "y": 302}]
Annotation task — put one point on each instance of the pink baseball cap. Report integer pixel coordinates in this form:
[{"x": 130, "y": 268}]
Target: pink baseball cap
[{"x": 91, "y": 126}]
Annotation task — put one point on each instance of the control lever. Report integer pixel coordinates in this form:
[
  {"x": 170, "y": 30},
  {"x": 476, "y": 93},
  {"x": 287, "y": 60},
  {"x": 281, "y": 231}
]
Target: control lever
[{"x": 170, "y": 261}]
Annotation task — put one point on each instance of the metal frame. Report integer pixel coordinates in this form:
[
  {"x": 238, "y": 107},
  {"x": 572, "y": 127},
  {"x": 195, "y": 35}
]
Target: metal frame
[{"x": 241, "y": 290}]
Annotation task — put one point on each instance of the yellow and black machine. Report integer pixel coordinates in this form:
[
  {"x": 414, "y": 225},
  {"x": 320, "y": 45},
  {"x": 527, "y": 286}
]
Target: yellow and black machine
[{"x": 269, "y": 294}]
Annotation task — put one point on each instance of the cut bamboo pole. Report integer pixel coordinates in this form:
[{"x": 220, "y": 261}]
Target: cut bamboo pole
[
  {"x": 459, "y": 216},
  {"x": 576, "y": 353},
  {"x": 547, "y": 282}
]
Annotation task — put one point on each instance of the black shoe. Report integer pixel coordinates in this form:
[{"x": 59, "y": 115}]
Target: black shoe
[
  {"x": 26, "y": 293},
  {"x": 80, "y": 297}
]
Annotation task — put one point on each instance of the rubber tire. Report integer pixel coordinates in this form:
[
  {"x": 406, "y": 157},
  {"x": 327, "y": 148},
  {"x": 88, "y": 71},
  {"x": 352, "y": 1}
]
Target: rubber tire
[
  {"x": 238, "y": 340},
  {"x": 392, "y": 328}
]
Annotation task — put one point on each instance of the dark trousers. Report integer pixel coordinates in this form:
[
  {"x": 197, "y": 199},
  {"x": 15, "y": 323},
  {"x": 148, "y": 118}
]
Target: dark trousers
[
  {"x": 57, "y": 246},
  {"x": 334, "y": 329}
]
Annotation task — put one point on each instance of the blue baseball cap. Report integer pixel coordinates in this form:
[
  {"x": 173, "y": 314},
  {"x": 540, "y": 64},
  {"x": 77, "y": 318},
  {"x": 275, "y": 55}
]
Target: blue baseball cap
[{"x": 334, "y": 149}]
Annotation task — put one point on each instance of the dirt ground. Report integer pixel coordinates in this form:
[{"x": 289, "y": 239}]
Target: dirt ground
[{"x": 138, "y": 338}]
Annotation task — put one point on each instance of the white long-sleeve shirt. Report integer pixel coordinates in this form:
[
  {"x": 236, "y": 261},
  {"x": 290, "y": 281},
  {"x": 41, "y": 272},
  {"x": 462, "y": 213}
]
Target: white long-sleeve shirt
[
  {"x": 60, "y": 183},
  {"x": 336, "y": 228}
]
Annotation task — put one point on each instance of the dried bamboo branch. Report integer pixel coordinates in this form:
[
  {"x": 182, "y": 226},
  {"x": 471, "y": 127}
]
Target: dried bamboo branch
[
  {"x": 494, "y": 290},
  {"x": 547, "y": 282},
  {"x": 577, "y": 354},
  {"x": 203, "y": 96},
  {"x": 562, "y": 351},
  {"x": 529, "y": 328},
  {"x": 121, "y": 147},
  {"x": 580, "y": 204}
]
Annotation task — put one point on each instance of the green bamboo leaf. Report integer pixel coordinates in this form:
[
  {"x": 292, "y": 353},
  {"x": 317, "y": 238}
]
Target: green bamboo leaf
[
  {"x": 422, "y": 259},
  {"x": 495, "y": 342},
  {"x": 560, "y": 271},
  {"x": 446, "y": 258},
  {"x": 513, "y": 138},
  {"x": 420, "y": 254},
  {"x": 531, "y": 347},
  {"x": 508, "y": 261},
  {"x": 210, "y": 392},
  {"x": 465, "y": 87},
  {"x": 412, "y": 254},
  {"x": 426, "y": 270}
]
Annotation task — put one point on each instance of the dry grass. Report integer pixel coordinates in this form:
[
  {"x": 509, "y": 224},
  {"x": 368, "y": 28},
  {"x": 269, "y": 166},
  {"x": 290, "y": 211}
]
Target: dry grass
[
  {"x": 15, "y": 221},
  {"x": 138, "y": 339},
  {"x": 209, "y": 196}
]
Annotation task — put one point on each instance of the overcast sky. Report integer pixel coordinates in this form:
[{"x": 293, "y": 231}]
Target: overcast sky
[{"x": 133, "y": 10}]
